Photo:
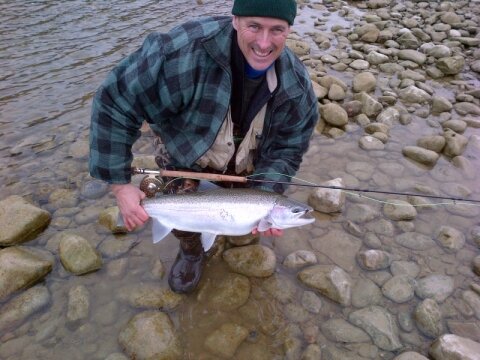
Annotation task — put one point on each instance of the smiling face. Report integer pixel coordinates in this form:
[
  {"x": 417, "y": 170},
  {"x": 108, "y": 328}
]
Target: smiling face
[{"x": 261, "y": 39}]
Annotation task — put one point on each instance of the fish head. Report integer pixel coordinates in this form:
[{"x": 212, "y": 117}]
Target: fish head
[{"x": 287, "y": 213}]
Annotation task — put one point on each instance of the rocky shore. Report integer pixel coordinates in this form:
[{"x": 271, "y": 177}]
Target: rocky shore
[{"x": 398, "y": 86}]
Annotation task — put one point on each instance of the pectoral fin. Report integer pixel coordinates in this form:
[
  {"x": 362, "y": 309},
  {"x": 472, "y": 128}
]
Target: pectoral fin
[
  {"x": 264, "y": 224},
  {"x": 207, "y": 240},
  {"x": 159, "y": 231}
]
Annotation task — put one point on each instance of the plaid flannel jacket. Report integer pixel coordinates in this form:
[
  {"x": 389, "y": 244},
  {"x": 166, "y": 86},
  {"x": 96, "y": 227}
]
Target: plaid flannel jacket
[{"x": 180, "y": 83}]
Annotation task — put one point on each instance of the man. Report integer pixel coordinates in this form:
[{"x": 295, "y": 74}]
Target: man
[{"x": 223, "y": 94}]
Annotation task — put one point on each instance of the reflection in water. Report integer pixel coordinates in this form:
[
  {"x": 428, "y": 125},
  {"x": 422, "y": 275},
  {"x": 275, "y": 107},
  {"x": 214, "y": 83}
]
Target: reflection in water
[{"x": 54, "y": 54}]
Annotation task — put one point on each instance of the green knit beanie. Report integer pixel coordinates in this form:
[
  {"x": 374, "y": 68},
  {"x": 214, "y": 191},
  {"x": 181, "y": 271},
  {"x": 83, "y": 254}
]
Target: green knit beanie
[{"x": 280, "y": 9}]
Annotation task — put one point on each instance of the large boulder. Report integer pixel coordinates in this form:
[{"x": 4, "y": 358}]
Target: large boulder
[
  {"x": 21, "y": 267},
  {"x": 150, "y": 335},
  {"x": 20, "y": 221},
  {"x": 77, "y": 255},
  {"x": 453, "y": 347}
]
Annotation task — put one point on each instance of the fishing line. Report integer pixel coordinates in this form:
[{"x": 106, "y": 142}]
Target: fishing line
[{"x": 354, "y": 191}]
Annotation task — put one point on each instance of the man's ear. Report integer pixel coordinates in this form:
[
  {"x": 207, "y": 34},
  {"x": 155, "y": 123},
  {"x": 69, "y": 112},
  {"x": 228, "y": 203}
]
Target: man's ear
[{"x": 235, "y": 22}]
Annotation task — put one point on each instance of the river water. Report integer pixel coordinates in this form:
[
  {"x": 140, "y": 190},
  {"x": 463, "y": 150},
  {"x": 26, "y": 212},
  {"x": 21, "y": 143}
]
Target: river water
[{"x": 54, "y": 55}]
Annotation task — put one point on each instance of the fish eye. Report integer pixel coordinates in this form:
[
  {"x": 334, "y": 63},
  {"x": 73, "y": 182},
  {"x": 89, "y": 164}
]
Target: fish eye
[{"x": 296, "y": 210}]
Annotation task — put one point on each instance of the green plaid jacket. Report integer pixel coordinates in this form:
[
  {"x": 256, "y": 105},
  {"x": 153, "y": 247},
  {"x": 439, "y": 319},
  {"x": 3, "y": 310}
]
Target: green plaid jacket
[{"x": 180, "y": 83}]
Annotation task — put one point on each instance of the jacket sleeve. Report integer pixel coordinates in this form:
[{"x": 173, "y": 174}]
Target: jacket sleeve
[
  {"x": 281, "y": 153},
  {"x": 129, "y": 95}
]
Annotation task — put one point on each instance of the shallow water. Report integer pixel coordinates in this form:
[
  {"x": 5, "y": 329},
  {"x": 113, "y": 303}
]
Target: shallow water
[{"x": 54, "y": 55}]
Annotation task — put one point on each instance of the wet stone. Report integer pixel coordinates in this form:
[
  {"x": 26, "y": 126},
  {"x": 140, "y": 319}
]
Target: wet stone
[
  {"x": 400, "y": 288},
  {"x": 374, "y": 259},
  {"x": 77, "y": 255},
  {"x": 399, "y": 210},
  {"x": 365, "y": 292},
  {"x": 311, "y": 302},
  {"x": 78, "y": 304},
  {"x": 428, "y": 318},
  {"x": 150, "y": 335},
  {"x": 379, "y": 324},
  {"x": 436, "y": 286},
  {"x": 300, "y": 258},
  {"x": 280, "y": 287},
  {"x": 450, "y": 238},
  {"x": 150, "y": 296},
  {"x": 402, "y": 267},
  {"x": 414, "y": 241},
  {"x": 451, "y": 346},
  {"x": 225, "y": 340},
  {"x": 20, "y": 221},
  {"x": 410, "y": 355},
  {"x": 339, "y": 330},
  {"x": 251, "y": 260},
  {"x": 94, "y": 189}
]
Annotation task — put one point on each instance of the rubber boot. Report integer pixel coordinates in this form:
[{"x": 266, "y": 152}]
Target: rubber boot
[{"x": 187, "y": 269}]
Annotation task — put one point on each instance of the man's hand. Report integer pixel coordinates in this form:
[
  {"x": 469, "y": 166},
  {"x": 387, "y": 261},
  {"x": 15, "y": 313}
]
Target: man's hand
[
  {"x": 269, "y": 232},
  {"x": 128, "y": 200}
]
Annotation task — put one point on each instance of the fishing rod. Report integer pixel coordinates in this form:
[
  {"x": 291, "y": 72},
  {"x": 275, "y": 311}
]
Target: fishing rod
[{"x": 246, "y": 179}]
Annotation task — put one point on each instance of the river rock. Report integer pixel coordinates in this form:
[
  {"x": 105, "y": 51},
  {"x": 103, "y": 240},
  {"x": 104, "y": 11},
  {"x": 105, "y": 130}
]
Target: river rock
[
  {"x": 453, "y": 347},
  {"x": 149, "y": 296},
  {"x": 300, "y": 48},
  {"x": 224, "y": 341},
  {"x": 375, "y": 58},
  {"x": 410, "y": 355},
  {"x": 20, "y": 308},
  {"x": 251, "y": 260},
  {"x": 466, "y": 108},
  {"x": 311, "y": 302},
  {"x": 458, "y": 126},
  {"x": 364, "y": 81},
  {"x": 299, "y": 259},
  {"x": 400, "y": 288},
  {"x": 412, "y": 55},
  {"x": 421, "y": 155},
  {"x": 328, "y": 200},
  {"x": 150, "y": 335},
  {"x": 428, "y": 318},
  {"x": 408, "y": 40},
  {"x": 436, "y": 286},
  {"x": 339, "y": 330},
  {"x": 434, "y": 143},
  {"x": 413, "y": 94},
  {"x": 280, "y": 287},
  {"x": 365, "y": 292},
  {"x": 361, "y": 213},
  {"x": 399, "y": 210},
  {"x": 440, "y": 105},
  {"x": 63, "y": 198},
  {"x": 450, "y": 238},
  {"x": 451, "y": 65},
  {"x": 78, "y": 305},
  {"x": 338, "y": 246},
  {"x": 77, "y": 255},
  {"x": 330, "y": 281},
  {"x": 319, "y": 91},
  {"x": 415, "y": 241},
  {"x": 401, "y": 267},
  {"x": 455, "y": 144},
  {"x": 109, "y": 218},
  {"x": 374, "y": 259},
  {"x": 439, "y": 51},
  {"x": 334, "y": 114},
  {"x": 94, "y": 189},
  {"x": 473, "y": 299},
  {"x": 336, "y": 93},
  {"x": 229, "y": 294},
  {"x": 20, "y": 268},
  {"x": 379, "y": 324},
  {"x": 370, "y": 106},
  {"x": 20, "y": 221},
  {"x": 377, "y": 127},
  {"x": 370, "y": 143},
  {"x": 389, "y": 117}
]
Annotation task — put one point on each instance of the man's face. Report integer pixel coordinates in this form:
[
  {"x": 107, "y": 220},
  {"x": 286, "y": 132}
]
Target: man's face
[{"x": 260, "y": 39}]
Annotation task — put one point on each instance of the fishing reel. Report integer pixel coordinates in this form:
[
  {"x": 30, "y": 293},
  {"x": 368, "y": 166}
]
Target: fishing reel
[
  {"x": 151, "y": 185},
  {"x": 152, "y": 182}
]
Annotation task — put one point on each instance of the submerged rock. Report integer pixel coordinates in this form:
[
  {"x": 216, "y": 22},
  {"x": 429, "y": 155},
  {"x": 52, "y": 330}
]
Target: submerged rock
[
  {"x": 251, "y": 260},
  {"x": 331, "y": 281},
  {"x": 77, "y": 255},
  {"x": 454, "y": 347},
  {"x": 225, "y": 340},
  {"x": 379, "y": 324},
  {"x": 150, "y": 335},
  {"x": 328, "y": 200},
  {"x": 21, "y": 267},
  {"x": 20, "y": 221}
]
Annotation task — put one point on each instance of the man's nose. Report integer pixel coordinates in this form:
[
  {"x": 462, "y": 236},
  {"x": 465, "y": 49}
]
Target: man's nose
[{"x": 263, "y": 39}]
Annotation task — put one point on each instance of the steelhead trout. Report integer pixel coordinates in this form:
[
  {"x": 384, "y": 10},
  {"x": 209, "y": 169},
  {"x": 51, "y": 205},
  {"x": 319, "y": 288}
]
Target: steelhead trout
[{"x": 224, "y": 212}]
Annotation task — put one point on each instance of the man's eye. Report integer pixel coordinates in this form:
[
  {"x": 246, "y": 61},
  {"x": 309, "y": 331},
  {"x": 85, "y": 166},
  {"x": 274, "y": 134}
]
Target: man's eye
[{"x": 253, "y": 27}]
